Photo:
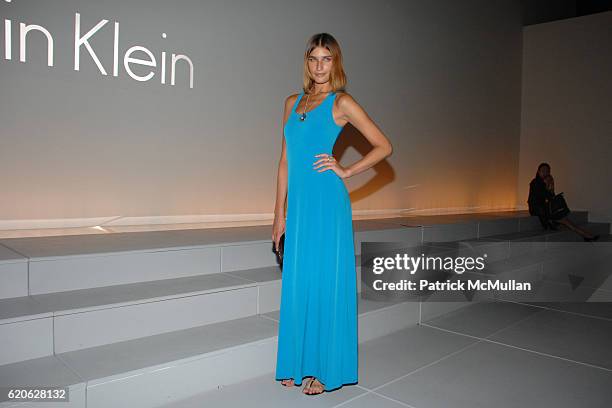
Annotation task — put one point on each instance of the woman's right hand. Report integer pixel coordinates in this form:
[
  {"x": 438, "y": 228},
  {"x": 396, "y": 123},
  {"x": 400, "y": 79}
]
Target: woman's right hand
[{"x": 278, "y": 228}]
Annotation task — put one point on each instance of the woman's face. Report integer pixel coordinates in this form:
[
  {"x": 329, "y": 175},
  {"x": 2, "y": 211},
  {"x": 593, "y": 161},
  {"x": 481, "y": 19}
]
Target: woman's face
[
  {"x": 544, "y": 171},
  {"x": 320, "y": 63}
]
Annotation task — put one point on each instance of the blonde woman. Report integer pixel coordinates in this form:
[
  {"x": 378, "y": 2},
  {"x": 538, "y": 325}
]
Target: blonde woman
[{"x": 317, "y": 337}]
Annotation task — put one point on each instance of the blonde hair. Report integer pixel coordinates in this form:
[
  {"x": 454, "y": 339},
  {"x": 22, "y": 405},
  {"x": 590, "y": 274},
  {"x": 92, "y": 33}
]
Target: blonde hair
[{"x": 337, "y": 77}]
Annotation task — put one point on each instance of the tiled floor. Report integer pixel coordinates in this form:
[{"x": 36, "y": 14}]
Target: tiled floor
[{"x": 498, "y": 355}]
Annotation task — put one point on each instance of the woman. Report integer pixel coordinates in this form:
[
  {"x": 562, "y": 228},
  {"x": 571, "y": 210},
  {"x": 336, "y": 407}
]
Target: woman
[
  {"x": 317, "y": 337},
  {"x": 541, "y": 191}
]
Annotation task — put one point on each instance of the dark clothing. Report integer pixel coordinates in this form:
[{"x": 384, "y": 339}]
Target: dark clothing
[{"x": 538, "y": 200}]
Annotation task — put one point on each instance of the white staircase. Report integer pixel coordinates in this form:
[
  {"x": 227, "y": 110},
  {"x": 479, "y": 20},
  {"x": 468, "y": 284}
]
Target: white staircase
[{"x": 144, "y": 319}]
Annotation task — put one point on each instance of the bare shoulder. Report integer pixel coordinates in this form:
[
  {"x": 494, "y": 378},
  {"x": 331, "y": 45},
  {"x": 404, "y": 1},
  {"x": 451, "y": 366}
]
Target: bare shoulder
[
  {"x": 346, "y": 103},
  {"x": 346, "y": 100},
  {"x": 343, "y": 97},
  {"x": 290, "y": 100}
]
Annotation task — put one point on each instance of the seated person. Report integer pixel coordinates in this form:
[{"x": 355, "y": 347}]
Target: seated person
[{"x": 541, "y": 191}]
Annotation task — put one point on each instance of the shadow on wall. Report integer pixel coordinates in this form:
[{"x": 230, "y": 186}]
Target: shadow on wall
[{"x": 384, "y": 173}]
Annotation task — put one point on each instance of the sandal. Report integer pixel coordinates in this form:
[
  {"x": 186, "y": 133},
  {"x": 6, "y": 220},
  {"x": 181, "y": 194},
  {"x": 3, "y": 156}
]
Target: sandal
[
  {"x": 289, "y": 382},
  {"x": 310, "y": 385}
]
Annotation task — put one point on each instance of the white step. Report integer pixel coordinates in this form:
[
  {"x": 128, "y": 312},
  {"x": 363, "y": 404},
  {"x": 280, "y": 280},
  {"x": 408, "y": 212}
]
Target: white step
[
  {"x": 91, "y": 317},
  {"x": 158, "y": 369},
  {"x": 13, "y": 273},
  {"x": 63, "y": 263},
  {"x": 38, "y": 265}
]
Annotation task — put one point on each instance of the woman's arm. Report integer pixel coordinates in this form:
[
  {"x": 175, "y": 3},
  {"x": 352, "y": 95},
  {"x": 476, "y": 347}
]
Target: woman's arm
[
  {"x": 281, "y": 179},
  {"x": 357, "y": 116},
  {"x": 281, "y": 185}
]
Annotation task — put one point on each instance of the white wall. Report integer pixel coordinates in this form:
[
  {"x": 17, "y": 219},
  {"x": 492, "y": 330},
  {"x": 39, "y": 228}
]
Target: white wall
[
  {"x": 567, "y": 110},
  {"x": 441, "y": 78}
]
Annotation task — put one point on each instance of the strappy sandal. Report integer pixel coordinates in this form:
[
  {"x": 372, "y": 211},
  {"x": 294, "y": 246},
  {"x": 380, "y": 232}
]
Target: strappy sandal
[{"x": 309, "y": 386}]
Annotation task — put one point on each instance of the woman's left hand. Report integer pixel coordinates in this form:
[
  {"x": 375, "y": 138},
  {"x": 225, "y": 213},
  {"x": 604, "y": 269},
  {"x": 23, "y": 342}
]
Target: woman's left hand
[{"x": 328, "y": 162}]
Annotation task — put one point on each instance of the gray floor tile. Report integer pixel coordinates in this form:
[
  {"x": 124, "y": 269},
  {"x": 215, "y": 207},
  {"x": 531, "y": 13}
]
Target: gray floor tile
[
  {"x": 490, "y": 375},
  {"x": 596, "y": 309},
  {"x": 481, "y": 319},
  {"x": 388, "y": 357},
  {"x": 579, "y": 338},
  {"x": 265, "y": 391},
  {"x": 371, "y": 400}
]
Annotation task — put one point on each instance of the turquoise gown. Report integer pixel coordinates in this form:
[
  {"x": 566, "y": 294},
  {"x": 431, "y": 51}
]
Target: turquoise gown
[{"x": 318, "y": 309}]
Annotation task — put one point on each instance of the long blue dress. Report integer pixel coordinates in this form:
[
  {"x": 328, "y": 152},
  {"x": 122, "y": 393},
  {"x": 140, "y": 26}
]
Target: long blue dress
[{"x": 318, "y": 309}]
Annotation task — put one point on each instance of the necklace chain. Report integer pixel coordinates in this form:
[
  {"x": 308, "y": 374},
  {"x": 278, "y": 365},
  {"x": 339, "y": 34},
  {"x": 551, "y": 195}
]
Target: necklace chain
[{"x": 303, "y": 115}]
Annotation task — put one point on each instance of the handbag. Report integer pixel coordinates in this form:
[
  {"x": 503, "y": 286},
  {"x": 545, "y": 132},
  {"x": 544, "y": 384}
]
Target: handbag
[
  {"x": 281, "y": 249},
  {"x": 557, "y": 207}
]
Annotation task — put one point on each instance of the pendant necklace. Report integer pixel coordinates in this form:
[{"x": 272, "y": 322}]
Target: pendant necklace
[{"x": 303, "y": 115}]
